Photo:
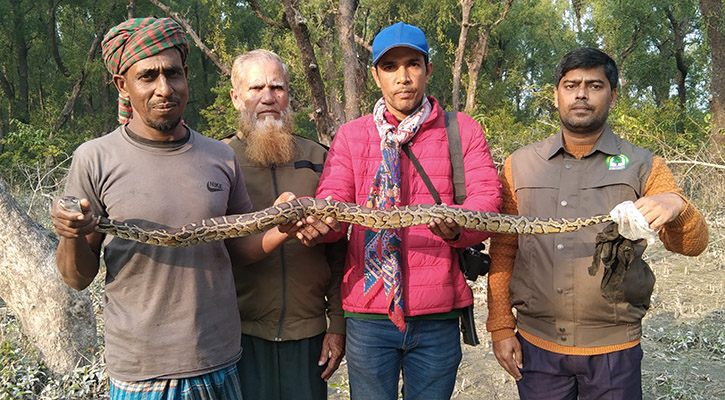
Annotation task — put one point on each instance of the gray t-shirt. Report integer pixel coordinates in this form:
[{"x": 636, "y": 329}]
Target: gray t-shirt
[{"x": 169, "y": 312}]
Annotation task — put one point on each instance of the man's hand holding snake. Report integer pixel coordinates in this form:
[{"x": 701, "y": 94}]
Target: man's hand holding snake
[
  {"x": 315, "y": 229},
  {"x": 73, "y": 219},
  {"x": 444, "y": 228}
]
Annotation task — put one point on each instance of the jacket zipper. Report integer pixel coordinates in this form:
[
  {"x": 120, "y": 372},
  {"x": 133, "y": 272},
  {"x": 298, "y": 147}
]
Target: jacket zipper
[{"x": 283, "y": 264}]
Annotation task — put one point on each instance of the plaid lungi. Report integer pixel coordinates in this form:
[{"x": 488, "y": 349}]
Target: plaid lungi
[{"x": 222, "y": 384}]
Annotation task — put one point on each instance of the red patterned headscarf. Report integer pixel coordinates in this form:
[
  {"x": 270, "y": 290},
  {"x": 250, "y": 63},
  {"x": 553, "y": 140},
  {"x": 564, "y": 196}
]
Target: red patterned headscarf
[{"x": 132, "y": 41}]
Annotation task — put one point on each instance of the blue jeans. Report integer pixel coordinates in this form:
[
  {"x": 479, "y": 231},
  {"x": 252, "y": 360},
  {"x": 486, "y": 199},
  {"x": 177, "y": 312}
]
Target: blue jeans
[{"x": 427, "y": 352}]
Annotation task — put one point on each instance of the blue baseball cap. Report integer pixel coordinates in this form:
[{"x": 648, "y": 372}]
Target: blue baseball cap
[{"x": 397, "y": 35}]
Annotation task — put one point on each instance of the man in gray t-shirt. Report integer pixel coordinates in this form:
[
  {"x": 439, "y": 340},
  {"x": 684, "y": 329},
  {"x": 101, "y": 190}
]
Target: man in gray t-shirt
[{"x": 170, "y": 313}]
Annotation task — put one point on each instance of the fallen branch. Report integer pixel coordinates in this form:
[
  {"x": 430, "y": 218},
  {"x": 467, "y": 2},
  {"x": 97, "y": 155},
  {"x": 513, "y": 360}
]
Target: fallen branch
[{"x": 700, "y": 163}]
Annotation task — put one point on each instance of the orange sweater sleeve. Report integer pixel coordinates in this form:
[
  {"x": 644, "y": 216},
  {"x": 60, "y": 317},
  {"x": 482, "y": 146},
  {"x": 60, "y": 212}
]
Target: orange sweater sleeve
[
  {"x": 501, "y": 322},
  {"x": 687, "y": 234}
]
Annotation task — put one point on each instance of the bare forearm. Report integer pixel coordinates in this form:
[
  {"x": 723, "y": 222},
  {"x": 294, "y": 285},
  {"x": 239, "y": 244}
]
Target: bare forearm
[
  {"x": 249, "y": 249},
  {"x": 77, "y": 262}
]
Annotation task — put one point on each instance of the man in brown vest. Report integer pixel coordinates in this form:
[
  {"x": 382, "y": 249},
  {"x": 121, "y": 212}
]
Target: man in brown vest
[
  {"x": 286, "y": 299},
  {"x": 567, "y": 341}
]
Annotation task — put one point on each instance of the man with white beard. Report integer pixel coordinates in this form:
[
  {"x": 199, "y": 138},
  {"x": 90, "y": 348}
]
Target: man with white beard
[{"x": 285, "y": 300}]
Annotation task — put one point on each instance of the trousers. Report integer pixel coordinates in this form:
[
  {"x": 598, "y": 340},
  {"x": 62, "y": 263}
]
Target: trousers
[{"x": 426, "y": 353}]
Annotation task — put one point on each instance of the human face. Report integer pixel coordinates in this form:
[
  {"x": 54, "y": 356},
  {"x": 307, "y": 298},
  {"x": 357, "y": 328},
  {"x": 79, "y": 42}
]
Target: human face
[
  {"x": 263, "y": 90},
  {"x": 401, "y": 74},
  {"x": 158, "y": 90},
  {"x": 584, "y": 98}
]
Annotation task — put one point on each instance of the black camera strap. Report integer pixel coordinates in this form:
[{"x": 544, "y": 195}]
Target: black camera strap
[
  {"x": 456, "y": 156},
  {"x": 423, "y": 175},
  {"x": 468, "y": 326}
]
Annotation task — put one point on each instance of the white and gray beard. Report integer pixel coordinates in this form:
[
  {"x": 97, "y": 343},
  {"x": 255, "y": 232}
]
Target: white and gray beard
[{"x": 269, "y": 141}]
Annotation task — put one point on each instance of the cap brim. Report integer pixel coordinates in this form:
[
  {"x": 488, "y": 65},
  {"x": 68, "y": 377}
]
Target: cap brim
[{"x": 410, "y": 46}]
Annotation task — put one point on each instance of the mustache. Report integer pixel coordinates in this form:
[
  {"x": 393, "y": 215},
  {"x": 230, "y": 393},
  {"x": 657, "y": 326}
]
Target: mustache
[
  {"x": 405, "y": 88},
  {"x": 170, "y": 100},
  {"x": 581, "y": 104}
]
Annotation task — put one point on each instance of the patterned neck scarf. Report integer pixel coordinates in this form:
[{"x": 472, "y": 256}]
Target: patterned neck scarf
[
  {"x": 382, "y": 248},
  {"x": 132, "y": 41}
]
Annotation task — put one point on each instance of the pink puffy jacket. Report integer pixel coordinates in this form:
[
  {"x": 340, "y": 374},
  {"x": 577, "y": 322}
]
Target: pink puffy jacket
[{"x": 432, "y": 280}]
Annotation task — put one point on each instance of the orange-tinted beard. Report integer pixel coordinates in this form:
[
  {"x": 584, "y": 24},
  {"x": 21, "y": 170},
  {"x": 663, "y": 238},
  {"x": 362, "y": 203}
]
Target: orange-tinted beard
[{"x": 269, "y": 141}]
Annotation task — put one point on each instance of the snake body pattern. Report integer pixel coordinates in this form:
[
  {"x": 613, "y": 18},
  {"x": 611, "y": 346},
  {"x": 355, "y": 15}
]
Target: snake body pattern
[{"x": 238, "y": 225}]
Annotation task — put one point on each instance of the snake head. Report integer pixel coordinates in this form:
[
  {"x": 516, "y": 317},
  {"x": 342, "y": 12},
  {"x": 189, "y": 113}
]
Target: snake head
[{"x": 70, "y": 203}]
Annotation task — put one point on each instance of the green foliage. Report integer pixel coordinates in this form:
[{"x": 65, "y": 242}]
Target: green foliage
[
  {"x": 705, "y": 336},
  {"x": 18, "y": 379},
  {"x": 505, "y": 134},
  {"x": 680, "y": 345},
  {"x": 665, "y": 130},
  {"x": 513, "y": 99},
  {"x": 90, "y": 381},
  {"x": 340, "y": 384},
  {"x": 221, "y": 117},
  {"x": 26, "y": 145},
  {"x": 23, "y": 376}
]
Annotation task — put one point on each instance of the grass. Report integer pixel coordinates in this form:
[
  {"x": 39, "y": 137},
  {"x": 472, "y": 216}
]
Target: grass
[
  {"x": 24, "y": 376},
  {"x": 686, "y": 359}
]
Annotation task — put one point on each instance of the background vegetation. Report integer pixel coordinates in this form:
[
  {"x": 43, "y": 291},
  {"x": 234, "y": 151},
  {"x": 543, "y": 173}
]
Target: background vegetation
[{"x": 493, "y": 59}]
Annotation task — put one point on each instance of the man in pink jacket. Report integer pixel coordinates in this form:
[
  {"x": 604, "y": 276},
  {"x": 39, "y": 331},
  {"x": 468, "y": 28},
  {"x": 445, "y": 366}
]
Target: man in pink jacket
[{"x": 403, "y": 291}]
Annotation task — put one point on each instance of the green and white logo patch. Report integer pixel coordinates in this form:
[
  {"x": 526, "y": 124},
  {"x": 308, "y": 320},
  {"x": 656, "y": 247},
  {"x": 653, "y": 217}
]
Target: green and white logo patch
[{"x": 617, "y": 162}]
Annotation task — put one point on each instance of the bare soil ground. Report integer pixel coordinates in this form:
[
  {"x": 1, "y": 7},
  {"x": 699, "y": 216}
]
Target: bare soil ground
[{"x": 683, "y": 335}]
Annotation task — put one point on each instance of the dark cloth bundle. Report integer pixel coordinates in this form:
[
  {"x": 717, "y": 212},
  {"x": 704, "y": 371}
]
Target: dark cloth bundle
[{"x": 616, "y": 254}]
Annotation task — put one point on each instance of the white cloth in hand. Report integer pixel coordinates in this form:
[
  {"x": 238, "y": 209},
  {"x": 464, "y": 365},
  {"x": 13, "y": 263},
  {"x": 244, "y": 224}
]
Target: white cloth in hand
[{"x": 631, "y": 223}]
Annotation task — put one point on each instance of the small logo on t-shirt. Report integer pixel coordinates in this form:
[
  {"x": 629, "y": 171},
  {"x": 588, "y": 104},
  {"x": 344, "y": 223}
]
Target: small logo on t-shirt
[
  {"x": 617, "y": 162},
  {"x": 214, "y": 187}
]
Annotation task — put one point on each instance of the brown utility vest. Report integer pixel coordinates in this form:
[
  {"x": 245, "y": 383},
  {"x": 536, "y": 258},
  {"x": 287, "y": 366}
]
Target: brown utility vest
[{"x": 555, "y": 297}]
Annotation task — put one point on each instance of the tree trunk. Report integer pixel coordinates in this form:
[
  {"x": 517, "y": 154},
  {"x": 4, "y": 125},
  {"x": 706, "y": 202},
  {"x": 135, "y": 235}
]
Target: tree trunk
[
  {"x": 678, "y": 41},
  {"x": 479, "y": 53},
  {"x": 353, "y": 80},
  {"x": 298, "y": 24},
  {"x": 712, "y": 12},
  {"x": 70, "y": 103},
  {"x": 53, "y": 40},
  {"x": 131, "y": 9},
  {"x": 206, "y": 67},
  {"x": 58, "y": 320},
  {"x": 6, "y": 85},
  {"x": 326, "y": 43},
  {"x": 466, "y": 6},
  {"x": 474, "y": 67},
  {"x": 106, "y": 104},
  {"x": 22, "y": 110},
  {"x": 2, "y": 132},
  {"x": 577, "y": 6},
  {"x": 88, "y": 103}
]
